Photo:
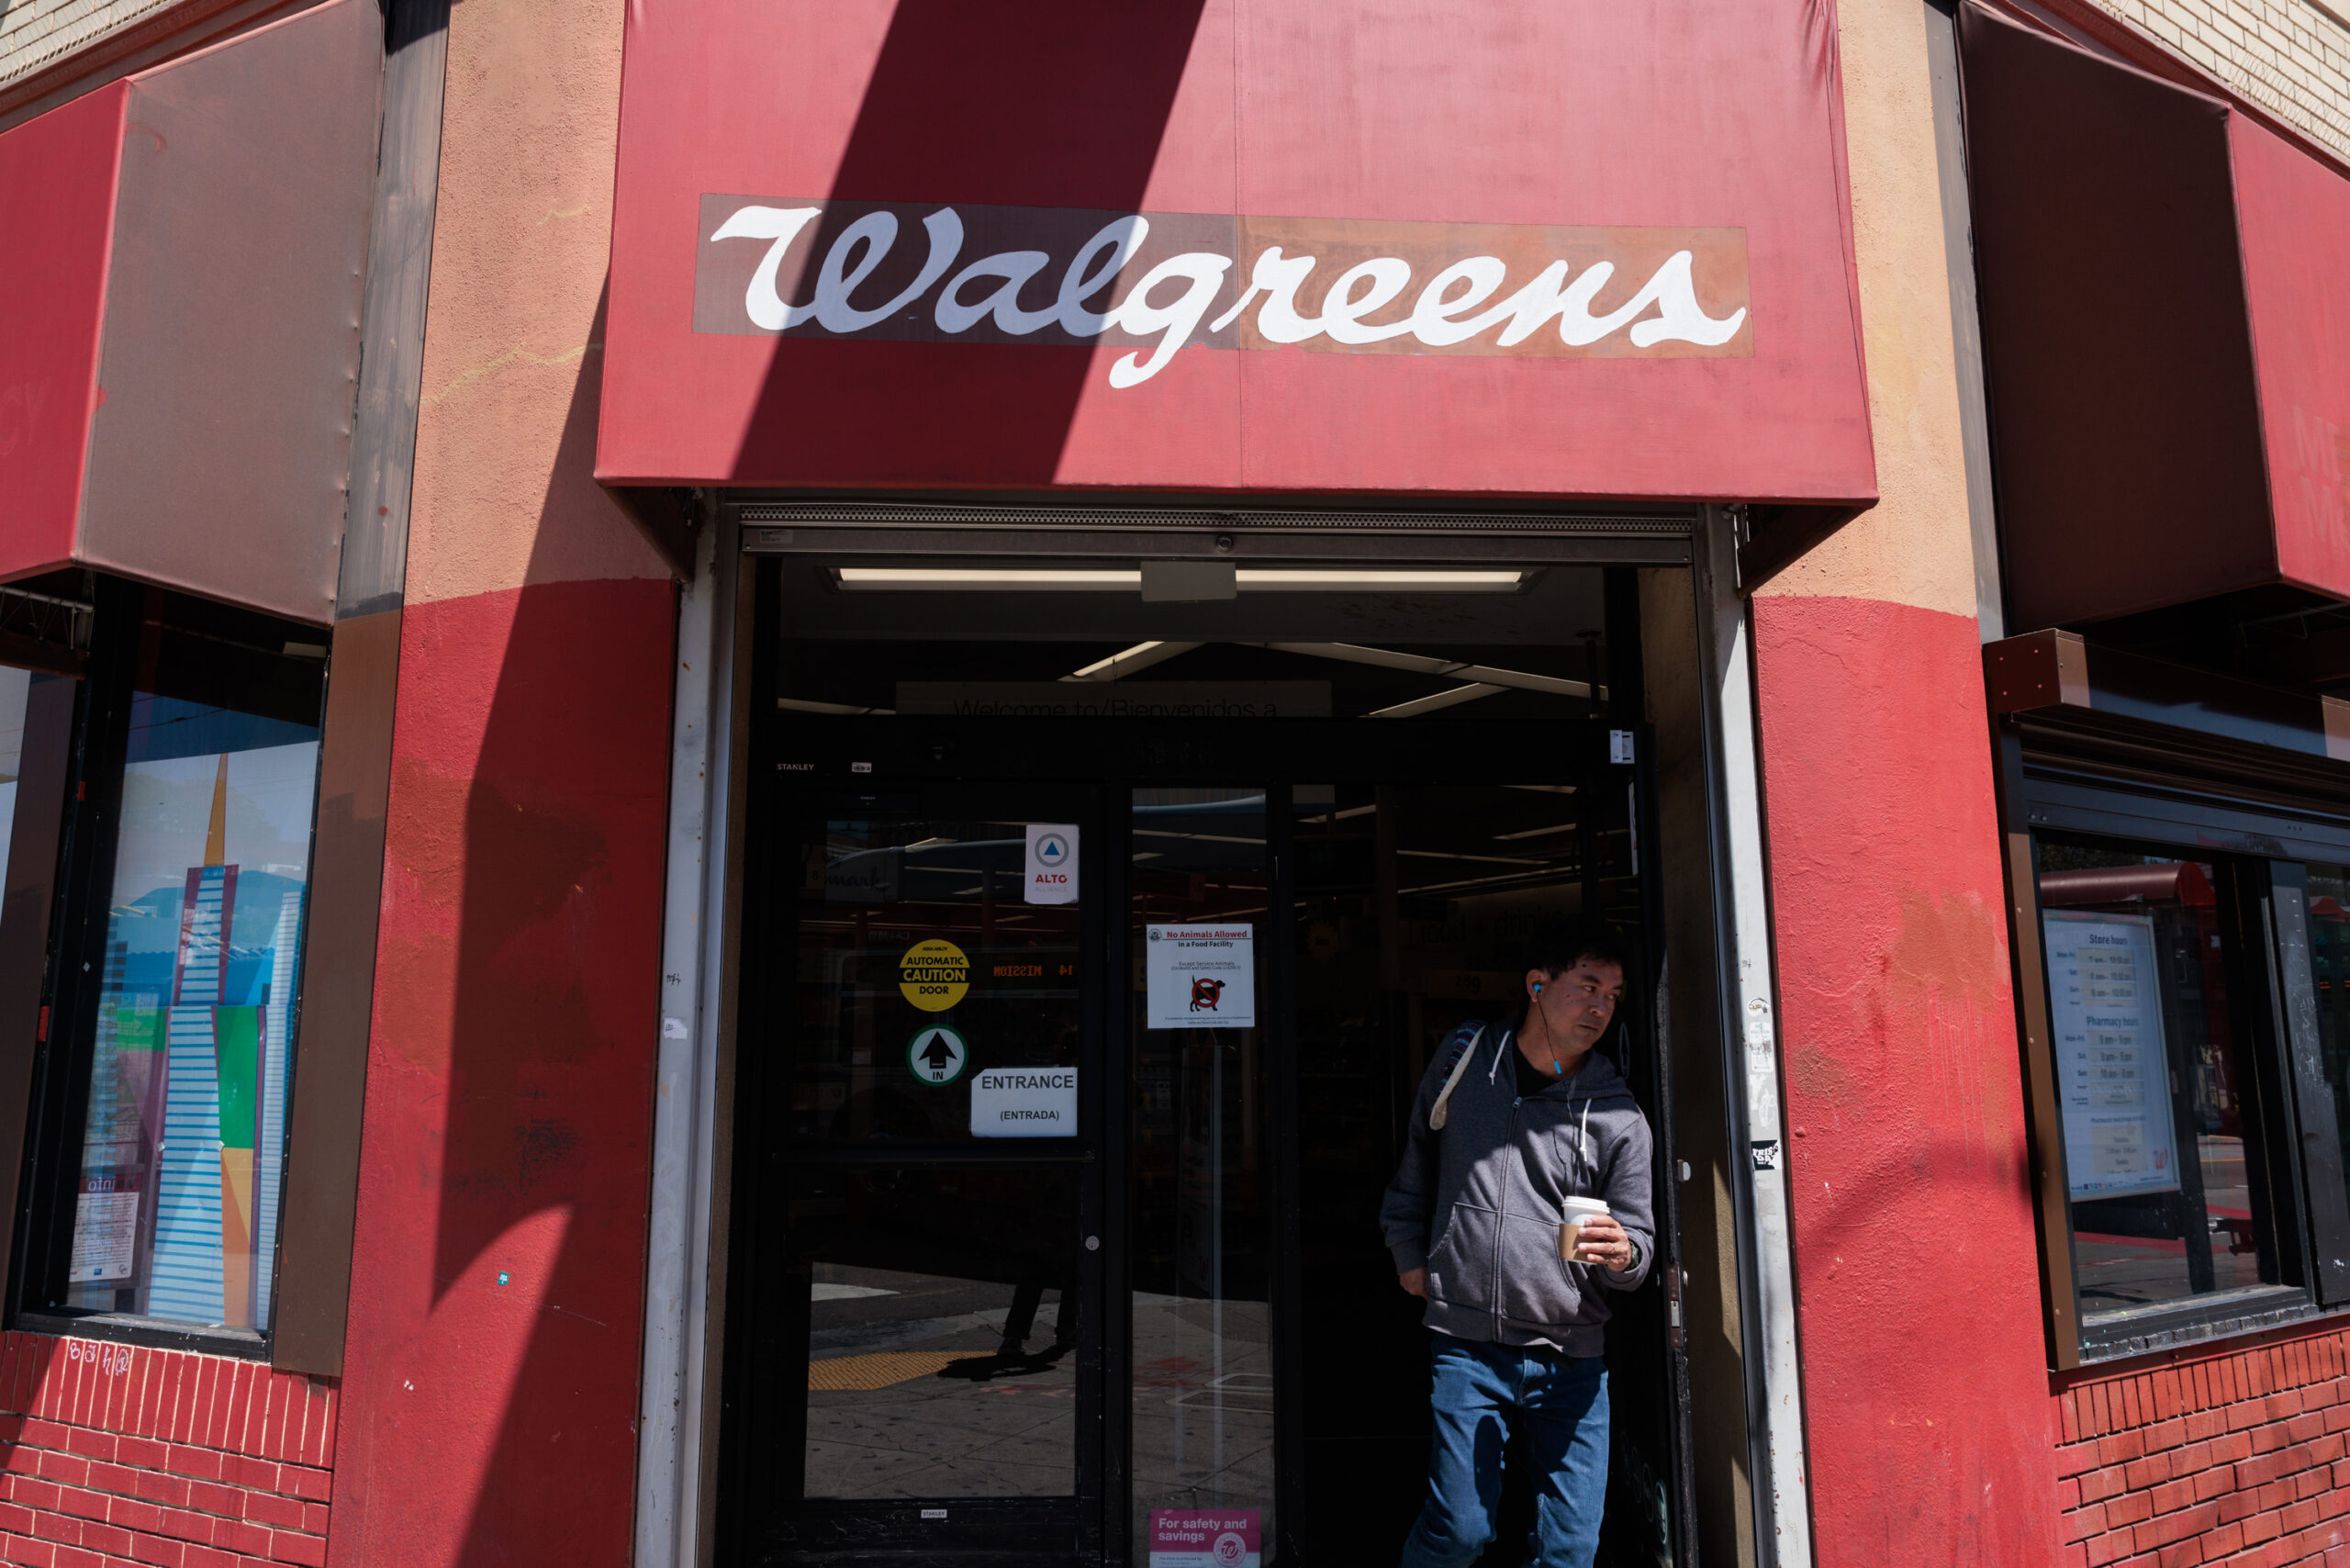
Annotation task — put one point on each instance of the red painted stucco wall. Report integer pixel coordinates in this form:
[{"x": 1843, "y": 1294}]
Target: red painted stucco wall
[
  {"x": 1925, "y": 1380},
  {"x": 490, "y": 1382}
]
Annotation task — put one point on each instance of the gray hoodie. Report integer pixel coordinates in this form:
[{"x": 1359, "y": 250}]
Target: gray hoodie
[{"x": 1476, "y": 1204}]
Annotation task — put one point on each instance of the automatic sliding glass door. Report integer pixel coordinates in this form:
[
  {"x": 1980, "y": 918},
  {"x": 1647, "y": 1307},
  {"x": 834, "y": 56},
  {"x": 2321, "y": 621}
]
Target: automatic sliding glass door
[
  {"x": 928, "y": 1301},
  {"x": 1157, "y": 1324},
  {"x": 1203, "y": 1015}
]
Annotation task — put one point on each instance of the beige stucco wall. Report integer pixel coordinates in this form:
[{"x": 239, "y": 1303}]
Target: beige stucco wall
[
  {"x": 1914, "y": 546},
  {"x": 2291, "y": 57},
  {"x": 513, "y": 351}
]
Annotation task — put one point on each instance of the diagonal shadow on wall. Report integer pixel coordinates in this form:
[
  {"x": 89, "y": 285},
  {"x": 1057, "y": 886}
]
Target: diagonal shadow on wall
[{"x": 1059, "y": 103}]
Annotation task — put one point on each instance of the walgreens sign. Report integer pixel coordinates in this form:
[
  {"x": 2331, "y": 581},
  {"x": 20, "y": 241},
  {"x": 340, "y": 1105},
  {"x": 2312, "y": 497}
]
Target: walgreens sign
[{"x": 1160, "y": 281}]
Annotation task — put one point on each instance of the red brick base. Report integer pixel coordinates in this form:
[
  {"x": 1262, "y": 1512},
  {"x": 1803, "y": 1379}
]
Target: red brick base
[
  {"x": 116, "y": 1455},
  {"x": 2239, "y": 1459}
]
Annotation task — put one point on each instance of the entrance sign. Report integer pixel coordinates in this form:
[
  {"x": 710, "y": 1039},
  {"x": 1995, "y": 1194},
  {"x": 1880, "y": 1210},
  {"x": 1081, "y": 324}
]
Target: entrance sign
[
  {"x": 1025, "y": 1102},
  {"x": 2112, "y": 1069},
  {"x": 1052, "y": 863},
  {"x": 1200, "y": 977},
  {"x": 1202, "y": 1538},
  {"x": 1160, "y": 281},
  {"x": 933, "y": 975},
  {"x": 937, "y": 1055}
]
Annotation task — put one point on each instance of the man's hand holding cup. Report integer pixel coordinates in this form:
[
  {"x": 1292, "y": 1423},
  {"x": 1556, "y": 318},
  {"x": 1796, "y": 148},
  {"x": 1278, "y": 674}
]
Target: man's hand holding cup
[{"x": 1589, "y": 1234}]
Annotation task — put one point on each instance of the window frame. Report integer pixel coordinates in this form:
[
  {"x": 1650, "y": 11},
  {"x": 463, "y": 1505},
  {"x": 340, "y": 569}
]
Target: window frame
[
  {"x": 2046, "y": 791},
  {"x": 72, "y": 993}
]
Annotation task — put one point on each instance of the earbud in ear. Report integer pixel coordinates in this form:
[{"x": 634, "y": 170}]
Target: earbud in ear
[{"x": 1538, "y": 987}]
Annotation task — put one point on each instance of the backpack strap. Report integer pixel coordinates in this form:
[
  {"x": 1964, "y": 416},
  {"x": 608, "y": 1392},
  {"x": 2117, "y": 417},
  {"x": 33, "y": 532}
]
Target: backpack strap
[{"x": 1437, "y": 1112}]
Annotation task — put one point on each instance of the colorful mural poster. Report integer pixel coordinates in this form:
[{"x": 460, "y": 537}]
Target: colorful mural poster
[{"x": 183, "y": 1146}]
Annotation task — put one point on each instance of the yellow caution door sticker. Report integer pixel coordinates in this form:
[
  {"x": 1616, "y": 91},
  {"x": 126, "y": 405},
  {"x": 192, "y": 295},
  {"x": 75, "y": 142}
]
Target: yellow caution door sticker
[{"x": 933, "y": 975}]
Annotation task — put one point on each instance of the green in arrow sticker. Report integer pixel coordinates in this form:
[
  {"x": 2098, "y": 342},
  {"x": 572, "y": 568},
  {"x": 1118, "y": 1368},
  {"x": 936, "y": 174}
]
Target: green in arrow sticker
[{"x": 937, "y": 1055}]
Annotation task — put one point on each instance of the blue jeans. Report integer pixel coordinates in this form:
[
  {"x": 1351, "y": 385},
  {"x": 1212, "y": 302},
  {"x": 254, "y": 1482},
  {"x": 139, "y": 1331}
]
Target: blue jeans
[{"x": 1481, "y": 1392}]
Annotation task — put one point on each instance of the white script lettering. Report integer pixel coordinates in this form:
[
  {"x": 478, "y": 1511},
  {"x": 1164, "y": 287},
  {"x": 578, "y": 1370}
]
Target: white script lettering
[
  {"x": 1459, "y": 304},
  {"x": 1141, "y": 318}
]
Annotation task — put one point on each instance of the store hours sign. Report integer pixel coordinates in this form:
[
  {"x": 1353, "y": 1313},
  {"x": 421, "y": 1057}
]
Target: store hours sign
[
  {"x": 2112, "y": 1067},
  {"x": 1159, "y": 282}
]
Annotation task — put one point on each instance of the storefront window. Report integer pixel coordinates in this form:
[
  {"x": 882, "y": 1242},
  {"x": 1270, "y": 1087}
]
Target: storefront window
[
  {"x": 169, "y": 1070},
  {"x": 2329, "y": 931},
  {"x": 2158, "y": 1098}
]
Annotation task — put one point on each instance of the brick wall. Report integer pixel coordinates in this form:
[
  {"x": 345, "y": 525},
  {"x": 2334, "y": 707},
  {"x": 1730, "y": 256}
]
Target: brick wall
[
  {"x": 2237, "y": 1459},
  {"x": 114, "y": 1455},
  {"x": 35, "y": 33},
  {"x": 2291, "y": 57}
]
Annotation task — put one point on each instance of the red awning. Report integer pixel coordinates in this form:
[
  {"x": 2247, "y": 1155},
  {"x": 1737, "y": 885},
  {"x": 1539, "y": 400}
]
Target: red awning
[
  {"x": 179, "y": 316},
  {"x": 2165, "y": 295},
  {"x": 1588, "y": 250}
]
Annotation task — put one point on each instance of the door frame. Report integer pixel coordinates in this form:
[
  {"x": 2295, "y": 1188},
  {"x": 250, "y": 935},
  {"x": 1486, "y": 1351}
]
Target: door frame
[{"x": 686, "y": 1322}]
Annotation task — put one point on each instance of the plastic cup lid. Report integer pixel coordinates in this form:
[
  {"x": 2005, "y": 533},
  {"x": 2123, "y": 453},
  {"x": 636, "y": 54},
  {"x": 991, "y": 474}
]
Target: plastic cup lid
[{"x": 1581, "y": 1206}]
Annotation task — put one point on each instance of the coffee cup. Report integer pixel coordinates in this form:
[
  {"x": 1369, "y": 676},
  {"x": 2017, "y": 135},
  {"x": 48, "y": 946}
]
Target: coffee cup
[{"x": 1572, "y": 1213}]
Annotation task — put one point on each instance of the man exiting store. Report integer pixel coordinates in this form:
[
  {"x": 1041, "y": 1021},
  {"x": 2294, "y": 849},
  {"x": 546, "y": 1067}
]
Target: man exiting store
[{"x": 1513, "y": 1117}]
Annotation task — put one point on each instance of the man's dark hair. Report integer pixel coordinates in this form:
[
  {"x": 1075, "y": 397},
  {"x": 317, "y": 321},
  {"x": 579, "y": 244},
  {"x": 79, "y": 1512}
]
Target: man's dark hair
[{"x": 1557, "y": 945}]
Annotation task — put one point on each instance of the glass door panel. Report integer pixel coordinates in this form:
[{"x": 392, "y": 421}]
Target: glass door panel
[
  {"x": 942, "y": 1326},
  {"x": 1202, "y": 1004},
  {"x": 935, "y": 1312},
  {"x": 926, "y": 983}
]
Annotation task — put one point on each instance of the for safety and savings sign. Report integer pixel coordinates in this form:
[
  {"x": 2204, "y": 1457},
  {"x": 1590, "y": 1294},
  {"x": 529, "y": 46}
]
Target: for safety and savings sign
[{"x": 1199, "y": 1538}]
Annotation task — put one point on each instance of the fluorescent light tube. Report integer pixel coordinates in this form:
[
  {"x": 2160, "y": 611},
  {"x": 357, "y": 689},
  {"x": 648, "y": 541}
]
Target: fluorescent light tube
[
  {"x": 1025, "y": 579},
  {"x": 1343, "y": 579},
  {"x": 1098, "y": 579}
]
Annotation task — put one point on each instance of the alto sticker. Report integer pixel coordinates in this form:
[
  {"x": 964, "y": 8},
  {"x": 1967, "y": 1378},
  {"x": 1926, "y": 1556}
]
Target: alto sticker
[
  {"x": 1052, "y": 863},
  {"x": 933, "y": 975},
  {"x": 937, "y": 1055},
  {"x": 1156, "y": 283}
]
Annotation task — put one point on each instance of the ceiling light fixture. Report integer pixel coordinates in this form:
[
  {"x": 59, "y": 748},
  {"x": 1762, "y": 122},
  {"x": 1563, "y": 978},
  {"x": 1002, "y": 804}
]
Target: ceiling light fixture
[
  {"x": 1480, "y": 676},
  {"x": 810, "y": 705},
  {"x": 1345, "y": 580},
  {"x": 1142, "y": 656},
  {"x": 1025, "y": 579}
]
